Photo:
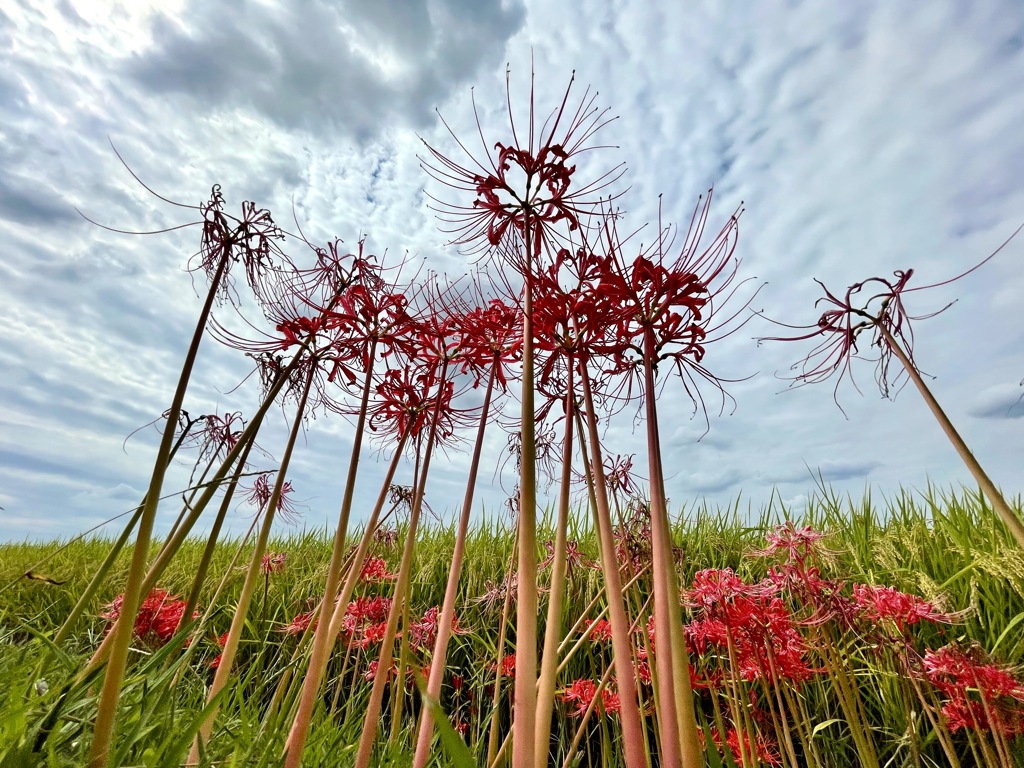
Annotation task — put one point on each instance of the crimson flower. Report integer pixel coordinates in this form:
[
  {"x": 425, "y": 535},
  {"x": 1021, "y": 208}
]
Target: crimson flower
[
  {"x": 888, "y": 604},
  {"x": 423, "y": 631},
  {"x": 507, "y": 667},
  {"x": 300, "y": 623},
  {"x": 491, "y": 337},
  {"x": 158, "y": 616},
  {"x": 600, "y": 631},
  {"x": 523, "y": 188},
  {"x": 980, "y": 695},
  {"x": 273, "y": 562},
  {"x": 375, "y": 569},
  {"x": 583, "y": 692},
  {"x": 262, "y": 490}
]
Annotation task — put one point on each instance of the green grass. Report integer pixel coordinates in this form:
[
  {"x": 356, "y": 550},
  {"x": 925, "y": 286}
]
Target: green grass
[{"x": 944, "y": 546}]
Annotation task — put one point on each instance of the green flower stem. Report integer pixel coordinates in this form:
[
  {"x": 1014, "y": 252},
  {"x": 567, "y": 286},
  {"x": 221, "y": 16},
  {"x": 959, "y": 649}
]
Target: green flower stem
[
  {"x": 211, "y": 541},
  {"x": 113, "y": 676},
  {"x": 677, "y": 716},
  {"x": 995, "y": 498},
  {"x": 322, "y": 642},
  {"x": 553, "y": 627},
  {"x": 622, "y": 646},
  {"x": 252, "y": 576},
  {"x": 525, "y": 694},
  {"x": 439, "y": 655},
  {"x": 371, "y": 721}
]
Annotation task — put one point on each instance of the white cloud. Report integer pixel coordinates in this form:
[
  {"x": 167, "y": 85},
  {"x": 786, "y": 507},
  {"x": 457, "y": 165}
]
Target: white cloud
[{"x": 863, "y": 139}]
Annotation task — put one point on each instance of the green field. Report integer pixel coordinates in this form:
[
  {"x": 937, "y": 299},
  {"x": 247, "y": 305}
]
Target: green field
[{"x": 864, "y": 695}]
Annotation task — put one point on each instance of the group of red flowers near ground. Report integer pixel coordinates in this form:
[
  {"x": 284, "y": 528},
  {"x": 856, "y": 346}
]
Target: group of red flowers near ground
[{"x": 743, "y": 636}]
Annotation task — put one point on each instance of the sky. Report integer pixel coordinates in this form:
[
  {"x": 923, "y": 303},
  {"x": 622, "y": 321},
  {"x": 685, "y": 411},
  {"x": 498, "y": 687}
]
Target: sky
[{"x": 861, "y": 138}]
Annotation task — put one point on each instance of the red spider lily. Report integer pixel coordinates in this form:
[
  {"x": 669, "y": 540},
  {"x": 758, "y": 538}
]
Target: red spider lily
[
  {"x": 527, "y": 186},
  {"x": 373, "y": 634},
  {"x": 642, "y": 668},
  {"x": 888, "y": 604},
  {"x": 797, "y": 545},
  {"x": 371, "y": 673},
  {"x": 157, "y": 618},
  {"x": 261, "y": 491},
  {"x": 375, "y": 569},
  {"x": 405, "y": 404},
  {"x": 600, "y": 631},
  {"x": 874, "y": 305},
  {"x": 763, "y": 749},
  {"x": 494, "y": 594},
  {"x": 618, "y": 474},
  {"x": 758, "y": 625},
  {"x": 386, "y": 537},
  {"x": 981, "y": 695},
  {"x": 573, "y": 557},
  {"x": 423, "y": 632},
  {"x": 300, "y": 623},
  {"x": 273, "y": 562},
  {"x": 669, "y": 309},
  {"x": 507, "y": 665},
  {"x": 250, "y": 240},
  {"x": 491, "y": 337},
  {"x": 583, "y": 692},
  {"x": 363, "y": 611},
  {"x": 220, "y": 641}
]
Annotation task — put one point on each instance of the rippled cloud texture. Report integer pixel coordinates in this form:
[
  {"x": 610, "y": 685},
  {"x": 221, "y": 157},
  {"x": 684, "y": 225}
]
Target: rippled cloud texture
[{"x": 862, "y": 139}]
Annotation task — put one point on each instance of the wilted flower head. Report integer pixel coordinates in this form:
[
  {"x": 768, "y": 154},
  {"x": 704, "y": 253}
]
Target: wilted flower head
[
  {"x": 874, "y": 306},
  {"x": 795, "y": 544}
]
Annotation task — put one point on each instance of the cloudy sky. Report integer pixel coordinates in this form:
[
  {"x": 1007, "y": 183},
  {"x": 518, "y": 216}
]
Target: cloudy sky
[{"x": 862, "y": 137}]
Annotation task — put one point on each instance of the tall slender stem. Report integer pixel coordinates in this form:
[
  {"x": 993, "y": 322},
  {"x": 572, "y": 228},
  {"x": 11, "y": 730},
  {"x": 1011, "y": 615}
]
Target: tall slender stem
[
  {"x": 322, "y": 642},
  {"x": 444, "y": 625},
  {"x": 525, "y": 696},
  {"x": 113, "y": 677},
  {"x": 994, "y": 496},
  {"x": 677, "y": 718}
]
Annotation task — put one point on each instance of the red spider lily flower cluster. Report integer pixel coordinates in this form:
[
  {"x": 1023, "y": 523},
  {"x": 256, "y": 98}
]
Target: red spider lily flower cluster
[
  {"x": 406, "y": 402},
  {"x": 764, "y": 749},
  {"x": 300, "y": 623},
  {"x": 375, "y": 569},
  {"x": 490, "y": 337},
  {"x": 423, "y": 632},
  {"x": 366, "y": 619},
  {"x": 889, "y": 605},
  {"x": 581, "y": 694},
  {"x": 507, "y": 666},
  {"x": 273, "y": 562},
  {"x": 157, "y": 619},
  {"x": 527, "y": 187},
  {"x": 599, "y": 631},
  {"x": 981, "y": 696},
  {"x": 748, "y": 623}
]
